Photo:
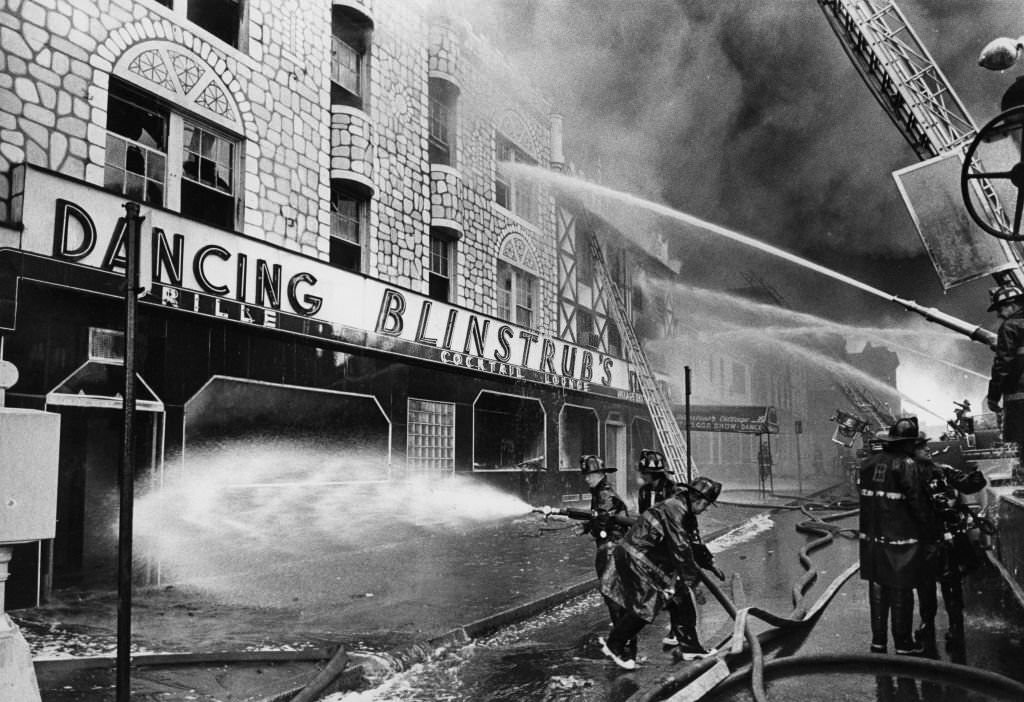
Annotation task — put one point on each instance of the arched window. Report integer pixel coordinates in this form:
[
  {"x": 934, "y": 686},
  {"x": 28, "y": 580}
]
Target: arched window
[
  {"x": 443, "y": 100},
  {"x": 350, "y": 51}
]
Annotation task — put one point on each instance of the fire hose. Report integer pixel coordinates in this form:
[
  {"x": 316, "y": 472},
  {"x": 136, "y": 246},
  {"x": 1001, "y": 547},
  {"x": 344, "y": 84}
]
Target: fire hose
[{"x": 802, "y": 617}]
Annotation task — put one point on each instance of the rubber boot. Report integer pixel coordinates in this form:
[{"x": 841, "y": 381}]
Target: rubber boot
[
  {"x": 955, "y": 634},
  {"x": 902, "y": 607},
  {"x": 689, "y": 648},
  {"x": 879, "y": 605}
]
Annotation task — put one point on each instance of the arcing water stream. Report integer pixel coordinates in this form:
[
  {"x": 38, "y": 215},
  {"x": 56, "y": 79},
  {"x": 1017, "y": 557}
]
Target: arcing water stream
[
  {"x": 570, "y": 183},
  {"x": 811, "y": 325}
]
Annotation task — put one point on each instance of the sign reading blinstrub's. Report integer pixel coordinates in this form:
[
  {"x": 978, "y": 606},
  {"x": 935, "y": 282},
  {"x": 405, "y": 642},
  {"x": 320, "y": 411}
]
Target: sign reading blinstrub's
[{"x": 216, "y": 273}]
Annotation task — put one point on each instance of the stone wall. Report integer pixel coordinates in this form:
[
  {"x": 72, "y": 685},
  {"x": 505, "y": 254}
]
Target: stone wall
[{"x": 58, "y": 58}]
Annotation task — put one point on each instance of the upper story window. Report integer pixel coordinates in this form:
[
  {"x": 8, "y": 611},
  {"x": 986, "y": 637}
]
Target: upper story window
[
  {"x": 614, "y": 339},
  {"x": 517, "y": 294},
  {"x": 516, "y": 195},
  {"x": 584, "y": 257},
  {"x": 443, "y": 98},
  {"x": 198, "y": 178},
  {"x": 585, "y": 334},
  {"x": 442, "y": 267},
  {"x": 222, "y": 18},
  {"x": 349, "y": 215},
  {"x": 350, "y": 49}
]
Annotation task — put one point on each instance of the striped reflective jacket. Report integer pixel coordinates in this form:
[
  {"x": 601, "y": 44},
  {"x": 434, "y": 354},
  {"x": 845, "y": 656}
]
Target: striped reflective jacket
[{"x": 895, "y": 520}]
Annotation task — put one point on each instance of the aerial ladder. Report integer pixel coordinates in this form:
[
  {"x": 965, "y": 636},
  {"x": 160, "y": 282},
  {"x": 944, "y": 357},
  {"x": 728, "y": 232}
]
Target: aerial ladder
[
  {"x": 673, "y": 444},
  {"x": 866, "y": 403},
  {"x": 912, "y": 89}
]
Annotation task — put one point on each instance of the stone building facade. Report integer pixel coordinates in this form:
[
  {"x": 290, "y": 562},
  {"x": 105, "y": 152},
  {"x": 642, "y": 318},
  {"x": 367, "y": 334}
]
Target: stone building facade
[{"x": 333, "y": 259}]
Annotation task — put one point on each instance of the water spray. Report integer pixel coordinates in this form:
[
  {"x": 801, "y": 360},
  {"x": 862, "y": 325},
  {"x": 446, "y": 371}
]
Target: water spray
[{"x": 565, "y": 182}]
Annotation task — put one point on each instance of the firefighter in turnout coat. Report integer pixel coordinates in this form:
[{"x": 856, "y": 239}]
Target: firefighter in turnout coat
[
  {"x": 945, "y": 487},
  {"x": 1007, "y": 381},
  {"x": 896, "y": 528},
  {"x": 654, "y": 558}
]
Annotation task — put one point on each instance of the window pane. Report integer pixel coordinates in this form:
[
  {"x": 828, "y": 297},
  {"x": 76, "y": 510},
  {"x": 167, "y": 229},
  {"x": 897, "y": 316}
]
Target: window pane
[
  {"x": 135, "y": 187},
  {"x": 345, "y": 65},
  {"x": 155, "y": 166},
  {"x": 115, "y": 150},
  {"x": 345, "y": 217},
  {"x": 345, "y": 255},
  {"x": 133, "y": 117},
  {"x": 113, "y": 179},
  {"x": 219, "y": 17},
  {"x": 206, "y": 205}
]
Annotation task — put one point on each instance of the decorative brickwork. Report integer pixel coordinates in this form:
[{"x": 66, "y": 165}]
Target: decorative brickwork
[
  {"x": 58, "y": 57},
  {"x": 351, "y": 146},
  {"x": 445, "y": 195}
]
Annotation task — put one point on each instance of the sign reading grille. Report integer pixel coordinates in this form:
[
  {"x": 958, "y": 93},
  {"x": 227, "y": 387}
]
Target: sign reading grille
[{"x": 431, "y": 436}]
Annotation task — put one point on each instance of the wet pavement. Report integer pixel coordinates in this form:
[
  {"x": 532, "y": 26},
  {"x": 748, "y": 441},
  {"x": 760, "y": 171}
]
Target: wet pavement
[
  {"x": 414, "y": 585},
  {"x": 552, "y": 658}
]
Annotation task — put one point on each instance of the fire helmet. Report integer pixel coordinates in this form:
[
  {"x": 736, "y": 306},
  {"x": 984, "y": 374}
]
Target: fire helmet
[
  {"x": 593, "y": 464},
  {"x": 1004, "y": 295},
  {"x": 905, "y": 429},
  {"x": 651, "y": 461},
  {"x": 705, "y": 487}
]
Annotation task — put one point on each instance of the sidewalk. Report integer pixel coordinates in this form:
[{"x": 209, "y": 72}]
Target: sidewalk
[{"x": 414, "y": 585}]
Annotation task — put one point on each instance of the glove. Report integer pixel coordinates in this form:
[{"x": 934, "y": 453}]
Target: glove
[
  {"x": 702, "y": 556},
  {"x": 993, "y": 405}
]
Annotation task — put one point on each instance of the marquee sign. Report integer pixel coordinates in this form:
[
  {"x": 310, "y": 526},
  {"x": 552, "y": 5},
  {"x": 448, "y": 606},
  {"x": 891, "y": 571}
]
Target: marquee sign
[
  {"x": 216, "y": 273},
  {"x": 737, "y": 419}
]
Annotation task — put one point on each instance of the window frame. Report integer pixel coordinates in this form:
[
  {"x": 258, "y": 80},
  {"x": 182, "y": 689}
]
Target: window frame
[
  {"x": 174, "y": 157},
  {"x": 513, "y": 294},
  {"x": 442, "y": 99},
  {"x": 521, "y": 199},
  {"x": 339, "y": 191},
  {"x": 354, "y": 31},
  {"x": 449, "y": 258}
]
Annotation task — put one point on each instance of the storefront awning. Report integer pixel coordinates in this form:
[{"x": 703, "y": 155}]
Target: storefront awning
[{"x": 101, "y": 384}]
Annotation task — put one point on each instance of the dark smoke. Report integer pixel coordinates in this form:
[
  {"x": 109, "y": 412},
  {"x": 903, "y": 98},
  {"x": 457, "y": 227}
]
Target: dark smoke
[{"x": 750, "y": 114}]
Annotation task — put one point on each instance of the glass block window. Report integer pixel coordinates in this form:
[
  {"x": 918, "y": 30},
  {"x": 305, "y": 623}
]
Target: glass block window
[{"x": 430, "y": 446}]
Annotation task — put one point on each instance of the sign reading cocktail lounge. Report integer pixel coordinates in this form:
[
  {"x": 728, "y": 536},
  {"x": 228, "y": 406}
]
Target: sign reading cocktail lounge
[{"x": 216, "y": 273}]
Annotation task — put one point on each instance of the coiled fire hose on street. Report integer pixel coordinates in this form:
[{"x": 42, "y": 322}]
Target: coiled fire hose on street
[{"x": 803, "y": 617}]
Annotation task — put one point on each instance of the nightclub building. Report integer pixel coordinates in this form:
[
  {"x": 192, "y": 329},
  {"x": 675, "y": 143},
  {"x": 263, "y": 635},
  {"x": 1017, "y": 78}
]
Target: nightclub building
[{"x": 335, "y": 268}]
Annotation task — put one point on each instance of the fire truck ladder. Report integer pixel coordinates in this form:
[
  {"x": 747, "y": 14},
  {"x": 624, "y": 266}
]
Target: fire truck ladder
[
  {"x": 673, "y": 445},
  {"x": 866, "y": 403},
  {"x": 909, "y": 85}
]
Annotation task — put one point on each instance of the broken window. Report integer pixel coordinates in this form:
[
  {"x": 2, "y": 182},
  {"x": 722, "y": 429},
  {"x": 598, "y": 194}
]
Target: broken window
[
  {"x": 508, "y": 432},
  {"x": 200, "y": 179}
]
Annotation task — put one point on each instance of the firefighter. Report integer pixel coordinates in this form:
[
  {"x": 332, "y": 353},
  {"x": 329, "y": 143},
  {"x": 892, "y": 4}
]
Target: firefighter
[
  {"x": 1007, "y": 381},
  {"x": 609, "y": 514},
  {"x": 895, "y": 528},
  {"x": 606, "y": 521},
  {"x": 655, "y": 486},
  {"x": 945, "y": 487},
  {"x": 653, "y": 559}
]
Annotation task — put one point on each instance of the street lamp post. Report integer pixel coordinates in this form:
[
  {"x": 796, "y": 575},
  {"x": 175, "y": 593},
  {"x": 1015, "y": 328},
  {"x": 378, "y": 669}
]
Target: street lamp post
[{"x": 126, "y": 477}]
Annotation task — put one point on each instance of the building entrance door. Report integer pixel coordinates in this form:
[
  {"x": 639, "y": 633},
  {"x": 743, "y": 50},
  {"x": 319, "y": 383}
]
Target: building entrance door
[{"x": 615, "y": 455}]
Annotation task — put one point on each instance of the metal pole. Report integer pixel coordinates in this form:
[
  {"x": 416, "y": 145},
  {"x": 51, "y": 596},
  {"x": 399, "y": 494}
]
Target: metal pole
[
  {"x": 689, "y": 461},
  {"x": 126, "y": 482},
  {"x": 799, "y": 469}
]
